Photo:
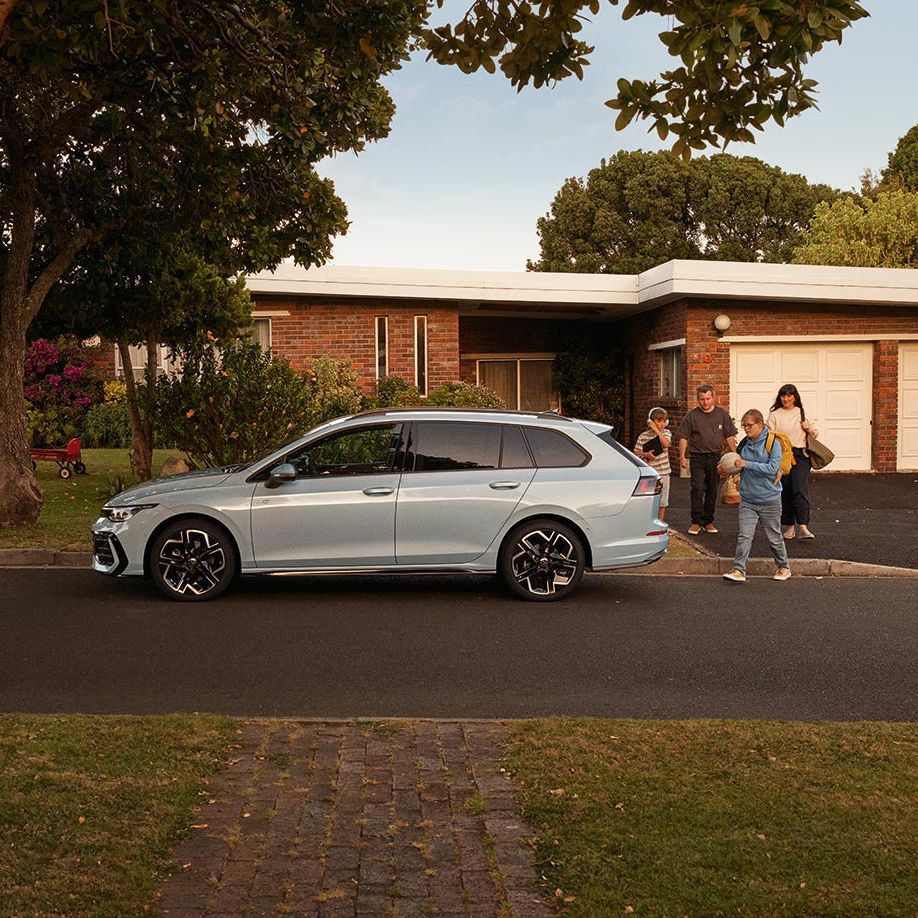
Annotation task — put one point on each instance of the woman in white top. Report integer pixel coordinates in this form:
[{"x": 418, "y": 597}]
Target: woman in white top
[{"x": 788, "y": 417}]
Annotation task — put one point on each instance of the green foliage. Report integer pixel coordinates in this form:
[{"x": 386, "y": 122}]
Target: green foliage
[
  {"x": 880, "y": 232},
  {"x": 639, "y": 209},
  {"x": 589, "y": 376},
  {"x": 738, "y": 67},
  {"x": 465, "y": 395},
  {"x": 51, "y": 427},
  {"x": 903, "y": 162},
  {"x": 107, "y": 425},
  {"x": 333, "y": 389},
  {"x": 395, "y": 392},
  {"x": 228, "y": 406}
]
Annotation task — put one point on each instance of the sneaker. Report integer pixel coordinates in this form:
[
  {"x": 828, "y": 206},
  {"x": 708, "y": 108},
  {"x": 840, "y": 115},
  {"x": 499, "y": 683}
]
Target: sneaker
[
  {"x": 805, "y": 533},
  {"x": 790, "y": 532},
  {"x": 711, "y": 528},
  {"x": 738, "y": 576},
  {"x": 782, "y": 573},
  {"x": 694, "y": 529}
]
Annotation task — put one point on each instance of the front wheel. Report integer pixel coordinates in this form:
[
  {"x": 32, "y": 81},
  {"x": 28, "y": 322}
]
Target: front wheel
[
  {"x": 542, "y": 560},
  {"x": 193, "y": 560}
]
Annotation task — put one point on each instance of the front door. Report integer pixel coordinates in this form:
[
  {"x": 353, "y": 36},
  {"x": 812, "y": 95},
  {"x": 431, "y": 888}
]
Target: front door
[{"x": 340, "y": 510}]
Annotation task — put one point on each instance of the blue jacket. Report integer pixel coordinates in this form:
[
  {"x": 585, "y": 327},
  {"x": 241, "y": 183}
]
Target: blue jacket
[{"x": 757, "y": 479}]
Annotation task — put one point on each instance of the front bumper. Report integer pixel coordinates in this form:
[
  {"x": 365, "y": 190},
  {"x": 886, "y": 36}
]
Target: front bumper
[{"x": 108, "y": 555}]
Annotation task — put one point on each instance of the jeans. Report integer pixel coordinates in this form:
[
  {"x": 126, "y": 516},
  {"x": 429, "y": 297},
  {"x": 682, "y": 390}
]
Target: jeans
[
  {"x": 749, "y": 516},
  {"x": 795, "y": 502},
  {"x": 703, "y": 468}
]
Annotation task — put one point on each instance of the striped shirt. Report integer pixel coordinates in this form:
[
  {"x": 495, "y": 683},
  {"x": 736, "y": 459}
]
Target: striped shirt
[{"x": 661, "y": 462}]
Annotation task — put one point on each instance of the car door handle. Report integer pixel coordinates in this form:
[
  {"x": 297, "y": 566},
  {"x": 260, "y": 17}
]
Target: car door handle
[
  {"x": 504, "y": 485},
  {"x": 377, "y": 492}
]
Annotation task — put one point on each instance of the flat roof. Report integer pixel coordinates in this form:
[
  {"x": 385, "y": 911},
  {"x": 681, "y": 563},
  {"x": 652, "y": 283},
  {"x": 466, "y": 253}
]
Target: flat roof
[{"x": 620, "y": 295}]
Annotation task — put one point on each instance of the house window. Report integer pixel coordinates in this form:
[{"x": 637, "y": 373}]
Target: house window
[
  {"x": 523, "y": 384},
  {"x": 420, "y": 353},
  {"x": 261, "y": 333},
  {"x": 671, "y": 372},
  {"x": 382, "y": 346},
  {"x": 139, "y": 361}
]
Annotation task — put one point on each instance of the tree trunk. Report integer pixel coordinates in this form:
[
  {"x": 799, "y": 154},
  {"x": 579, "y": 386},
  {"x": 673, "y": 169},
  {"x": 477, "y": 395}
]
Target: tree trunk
[{"x": 141, "y": 452}]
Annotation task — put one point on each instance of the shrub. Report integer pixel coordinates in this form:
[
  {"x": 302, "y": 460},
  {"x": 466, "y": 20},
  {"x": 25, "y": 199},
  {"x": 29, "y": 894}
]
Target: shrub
[
  {"x": 60, "y": 384},
  {"x": 465, "y": 395},
  {"x": 107, "y": 425},
  {"x": 333, "y": 389},
  {"x": 395, "y": 392},
  {"x": 230, "y": 406}
]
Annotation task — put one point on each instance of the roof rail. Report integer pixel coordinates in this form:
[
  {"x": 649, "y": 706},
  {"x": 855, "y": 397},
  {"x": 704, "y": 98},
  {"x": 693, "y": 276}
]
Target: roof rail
[{"x": 553, "y": 415}]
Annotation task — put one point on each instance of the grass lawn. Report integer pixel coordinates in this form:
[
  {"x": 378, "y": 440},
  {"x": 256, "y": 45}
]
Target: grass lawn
[
  {"x": 72, "y": 505},
  {"x": 707, "y": 818},
  {"x": 90, "y": 808}
]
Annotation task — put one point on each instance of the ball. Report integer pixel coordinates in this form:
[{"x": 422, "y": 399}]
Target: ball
[{"x": 728, "y": 463}]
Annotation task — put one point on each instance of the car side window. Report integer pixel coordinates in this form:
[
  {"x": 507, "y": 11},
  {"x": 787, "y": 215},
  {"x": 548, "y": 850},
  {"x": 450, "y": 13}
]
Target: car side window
[
  {"x": 553, "y": 450},
  {"x": 438, "y": 446},
  {"x": 514, "y": 453},
  {"x": 366, "y": 451}
]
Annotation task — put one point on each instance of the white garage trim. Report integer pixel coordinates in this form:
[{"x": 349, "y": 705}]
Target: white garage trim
[
  {"x": 907, "y": 459},
  {"x": 810, "y": 336},
  {"x": 835, "y": 381}
]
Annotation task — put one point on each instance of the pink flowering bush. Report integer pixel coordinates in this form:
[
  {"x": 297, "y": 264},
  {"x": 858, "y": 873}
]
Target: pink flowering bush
[{"x": 60, "y": 384}]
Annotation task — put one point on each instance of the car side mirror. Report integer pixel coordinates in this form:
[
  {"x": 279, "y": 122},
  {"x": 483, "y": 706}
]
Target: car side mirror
[{"x": 281, "y": 473}]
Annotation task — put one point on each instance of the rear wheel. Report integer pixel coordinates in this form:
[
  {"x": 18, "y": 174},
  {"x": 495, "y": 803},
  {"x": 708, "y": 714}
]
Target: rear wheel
[
  {"x": 79, "y": 468},
  {"x": 65, "y": 472},
  {"x": 542, "y": 560},
  {"x": 193, "y": 560}
]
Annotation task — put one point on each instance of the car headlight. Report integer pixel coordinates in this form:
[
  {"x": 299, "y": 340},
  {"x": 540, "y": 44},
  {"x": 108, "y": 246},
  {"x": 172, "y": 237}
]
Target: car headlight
[{"x": 123, "y": 514}]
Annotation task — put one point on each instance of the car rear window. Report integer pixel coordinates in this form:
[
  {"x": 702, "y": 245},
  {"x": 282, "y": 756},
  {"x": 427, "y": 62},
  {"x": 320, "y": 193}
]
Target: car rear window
[
  {"x": 553, "y": 450},
  {"x": 447, "y": 446},
  {"x": 606, "y": 437}
]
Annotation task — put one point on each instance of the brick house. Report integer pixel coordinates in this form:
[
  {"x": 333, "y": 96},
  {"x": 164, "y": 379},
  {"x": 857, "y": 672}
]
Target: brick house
[{"x": 847, "y": 337}]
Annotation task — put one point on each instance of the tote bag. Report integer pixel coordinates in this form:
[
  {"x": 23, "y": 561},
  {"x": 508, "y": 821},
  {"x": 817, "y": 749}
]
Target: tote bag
[{"x": 820, "y": 454}]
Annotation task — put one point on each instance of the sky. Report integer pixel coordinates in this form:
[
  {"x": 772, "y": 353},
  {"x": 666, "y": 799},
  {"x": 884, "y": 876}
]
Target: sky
[{"x": 470, "y": 164}]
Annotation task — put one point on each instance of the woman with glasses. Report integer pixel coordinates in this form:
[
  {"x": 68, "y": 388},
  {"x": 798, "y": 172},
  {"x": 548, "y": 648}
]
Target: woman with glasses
[
  {"x": 760, "y": 497},
  {"x": 788, "y": 417}
]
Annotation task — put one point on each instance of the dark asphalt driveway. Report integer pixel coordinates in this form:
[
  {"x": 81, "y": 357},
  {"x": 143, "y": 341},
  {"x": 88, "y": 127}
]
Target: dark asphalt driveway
[
  {"x": 872, "y": 518},
  {"x": 623, "y": 646}
]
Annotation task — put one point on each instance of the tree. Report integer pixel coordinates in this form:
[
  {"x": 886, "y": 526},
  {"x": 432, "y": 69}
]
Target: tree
[
  {"x": 639, "y": 209},
  {"x": 903, "y": 162},
  {"x": 741, "y": 64},
  {"x": 215, "y": 112},
  {"x": 880, "y": 232}
]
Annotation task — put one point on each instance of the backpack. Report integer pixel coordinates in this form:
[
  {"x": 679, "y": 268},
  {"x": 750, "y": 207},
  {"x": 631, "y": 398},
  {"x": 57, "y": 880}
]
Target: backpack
[{"x": 788, "y": 461}]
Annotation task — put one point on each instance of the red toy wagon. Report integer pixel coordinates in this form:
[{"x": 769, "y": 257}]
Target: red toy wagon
[{"x": 68, "y": 460}]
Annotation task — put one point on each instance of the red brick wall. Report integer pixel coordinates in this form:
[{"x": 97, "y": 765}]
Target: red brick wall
[
  {"x": 347, "y": 331},
  {"x": 707, "y": 356}
]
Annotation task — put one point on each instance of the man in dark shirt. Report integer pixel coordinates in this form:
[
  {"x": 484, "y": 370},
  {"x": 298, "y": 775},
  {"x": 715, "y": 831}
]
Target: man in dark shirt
[{"x": 702, "y": 433}]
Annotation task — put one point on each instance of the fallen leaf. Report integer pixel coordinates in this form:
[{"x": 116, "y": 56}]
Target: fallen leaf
[
  {"x": 557, "y": 792},
  {"x": 81, "y": 820}
]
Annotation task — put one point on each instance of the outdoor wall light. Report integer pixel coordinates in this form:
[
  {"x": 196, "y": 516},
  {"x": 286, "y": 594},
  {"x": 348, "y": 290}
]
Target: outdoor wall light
[{"x": 722, "y": 323}]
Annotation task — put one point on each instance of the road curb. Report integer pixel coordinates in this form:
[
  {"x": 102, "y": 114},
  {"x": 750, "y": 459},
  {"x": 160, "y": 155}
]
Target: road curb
[{"x": 666, "y": 567}]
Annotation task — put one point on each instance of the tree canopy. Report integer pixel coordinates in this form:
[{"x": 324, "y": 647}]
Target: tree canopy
[
  {"x": 902, "y": 168},
  {"x": 639, "y": 209},
  {"x": 879, "y": 232},
  {"x": 740, "y": 65},
  {"x": 119, "y": 118}
]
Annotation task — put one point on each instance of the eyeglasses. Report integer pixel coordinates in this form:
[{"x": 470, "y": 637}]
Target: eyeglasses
[{"x": 753, "y": 424}]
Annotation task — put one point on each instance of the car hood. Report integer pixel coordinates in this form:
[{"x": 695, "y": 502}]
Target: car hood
[{"x": 206, "y": 478}]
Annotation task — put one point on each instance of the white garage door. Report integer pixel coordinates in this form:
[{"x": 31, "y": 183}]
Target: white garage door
[
  {"x": 834, "y": 381},
  {"x": 908, "y": 407}
]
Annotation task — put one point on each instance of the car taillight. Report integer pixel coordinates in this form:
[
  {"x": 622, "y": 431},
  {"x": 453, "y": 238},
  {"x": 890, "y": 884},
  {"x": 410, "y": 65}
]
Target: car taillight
[{"x": 647, "y": 486}]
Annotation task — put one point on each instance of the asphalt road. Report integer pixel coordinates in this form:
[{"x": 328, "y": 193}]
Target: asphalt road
[{"x": 623, "y": 646}]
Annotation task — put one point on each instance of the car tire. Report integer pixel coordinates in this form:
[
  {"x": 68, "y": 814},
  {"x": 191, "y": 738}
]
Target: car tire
[
  {"x": 193, "y": 560},
  {"x": 542, "y": 560}
]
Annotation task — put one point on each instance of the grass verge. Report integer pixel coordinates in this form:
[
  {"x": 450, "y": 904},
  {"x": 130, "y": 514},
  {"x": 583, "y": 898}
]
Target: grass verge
[
  {"x": 91, "y": 806},
  {"x": 706, "y": 818},
  {"x": 72, "y": 505}
]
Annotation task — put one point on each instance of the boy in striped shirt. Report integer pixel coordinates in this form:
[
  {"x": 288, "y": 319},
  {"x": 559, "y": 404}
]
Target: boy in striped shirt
[{"x": 657, "y": 422}]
